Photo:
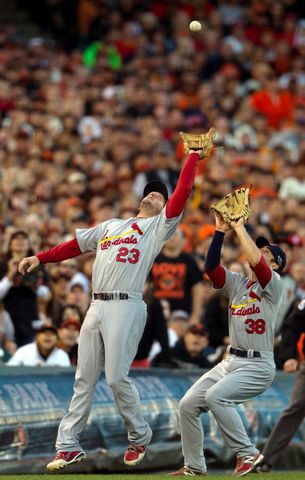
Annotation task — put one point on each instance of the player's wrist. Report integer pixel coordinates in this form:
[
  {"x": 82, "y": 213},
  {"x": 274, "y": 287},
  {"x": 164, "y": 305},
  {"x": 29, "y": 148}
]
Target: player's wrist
[{"x": 238, "y": 228}]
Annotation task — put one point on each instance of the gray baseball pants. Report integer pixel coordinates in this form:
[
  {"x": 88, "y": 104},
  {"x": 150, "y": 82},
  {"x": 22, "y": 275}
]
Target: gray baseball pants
[
  {"x": 109, "y": 339},
  {"x": 232, "y": 381}
]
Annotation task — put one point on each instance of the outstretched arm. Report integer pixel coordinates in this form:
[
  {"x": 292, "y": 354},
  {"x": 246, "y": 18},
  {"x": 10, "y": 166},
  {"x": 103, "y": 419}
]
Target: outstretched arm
[
  {"x": 61, "y": 252},
  {"x": 251, "y": 251},
  {"x": 197, "y": 146},
  {"x": 177, "y": 201},
  {"x": 256, "y": 260}
]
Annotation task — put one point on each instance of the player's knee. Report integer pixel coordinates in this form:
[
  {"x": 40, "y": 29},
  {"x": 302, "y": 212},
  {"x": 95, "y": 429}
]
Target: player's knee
[
  {"x": 186, "y": 406},
  {"x": 115, "y": 382},
  {"x": 211, "y": 399}
]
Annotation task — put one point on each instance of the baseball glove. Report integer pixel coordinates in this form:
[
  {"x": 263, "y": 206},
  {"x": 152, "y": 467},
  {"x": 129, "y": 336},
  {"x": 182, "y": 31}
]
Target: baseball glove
[
  {"x": 199, "y": 141},
  {"x": 234, "y": 206}
]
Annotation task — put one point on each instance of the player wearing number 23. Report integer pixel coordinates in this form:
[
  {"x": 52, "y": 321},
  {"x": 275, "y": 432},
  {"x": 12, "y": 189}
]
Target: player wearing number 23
[
  {"x": 114, "y": 324},
  {"x": 248, "y": 367}
]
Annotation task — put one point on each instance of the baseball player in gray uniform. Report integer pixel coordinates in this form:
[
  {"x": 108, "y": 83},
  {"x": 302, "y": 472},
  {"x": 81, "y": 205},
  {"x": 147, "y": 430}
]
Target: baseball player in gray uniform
[
  {"x": 248, "y": 367},
  {"x": 109, "y": 338}
]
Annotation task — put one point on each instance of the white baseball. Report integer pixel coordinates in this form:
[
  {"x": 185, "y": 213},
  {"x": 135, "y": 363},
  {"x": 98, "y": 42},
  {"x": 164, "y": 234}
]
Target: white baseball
[{"x": 195, "y": 26}]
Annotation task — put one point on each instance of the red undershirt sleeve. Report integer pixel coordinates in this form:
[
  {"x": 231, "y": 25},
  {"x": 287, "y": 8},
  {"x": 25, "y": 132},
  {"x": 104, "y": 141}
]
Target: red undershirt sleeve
[
  {"x": 217, "y": 276},
  {"x": 263, "y": 272},
  {"x": 61, "y": 252},
  {"x": 177, "y": 201}
]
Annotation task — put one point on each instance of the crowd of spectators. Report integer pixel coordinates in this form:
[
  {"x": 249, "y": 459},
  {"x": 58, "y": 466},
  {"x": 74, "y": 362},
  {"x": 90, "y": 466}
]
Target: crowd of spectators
[{"x": 84, "y": 125}]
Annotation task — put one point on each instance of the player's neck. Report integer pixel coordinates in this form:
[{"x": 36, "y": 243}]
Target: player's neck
[
  {"x": 143, "y": 215},
  {"x": 147, "y": 213}
]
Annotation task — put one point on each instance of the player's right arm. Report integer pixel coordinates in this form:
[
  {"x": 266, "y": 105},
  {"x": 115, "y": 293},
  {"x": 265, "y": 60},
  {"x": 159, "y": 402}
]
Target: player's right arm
[
  {"x": 86, "y": 240},
  {"x": 61, "y": 252},
  {"x": 250, "y": 250},
  {"x": 214, "y": 270},
  {"x": 253, "y": 254}
]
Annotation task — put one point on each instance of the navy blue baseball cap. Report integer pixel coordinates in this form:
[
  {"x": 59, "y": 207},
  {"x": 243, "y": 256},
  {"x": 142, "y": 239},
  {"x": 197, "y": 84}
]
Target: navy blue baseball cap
[
  {"x": 156, "y": 186},
  {"x": 278, "y": 253}
]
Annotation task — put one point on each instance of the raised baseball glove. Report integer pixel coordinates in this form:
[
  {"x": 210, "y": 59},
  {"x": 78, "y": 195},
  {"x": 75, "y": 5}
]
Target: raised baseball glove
[
  {"x": 234, "y": 206},
  {"x": 199, "y": 141}
]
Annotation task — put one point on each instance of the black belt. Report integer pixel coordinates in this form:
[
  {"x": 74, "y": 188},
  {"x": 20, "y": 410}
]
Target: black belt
[
  {"x": 245, "y": 353},
  {"x": 110, "y": 296}
]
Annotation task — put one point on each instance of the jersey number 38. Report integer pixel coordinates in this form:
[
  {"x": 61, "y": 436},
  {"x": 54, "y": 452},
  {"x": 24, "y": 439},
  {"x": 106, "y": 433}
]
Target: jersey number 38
[{"x": 255, "y": 326}]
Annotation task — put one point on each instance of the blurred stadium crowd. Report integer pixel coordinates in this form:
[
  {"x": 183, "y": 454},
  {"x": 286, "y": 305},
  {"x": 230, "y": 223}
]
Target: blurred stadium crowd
[{"x": 87, "y": 118}]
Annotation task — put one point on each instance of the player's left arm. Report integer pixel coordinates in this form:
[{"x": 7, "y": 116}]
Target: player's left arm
[
  {"x": 178, "y": 199},
  {"x": 253, "y": 254}
]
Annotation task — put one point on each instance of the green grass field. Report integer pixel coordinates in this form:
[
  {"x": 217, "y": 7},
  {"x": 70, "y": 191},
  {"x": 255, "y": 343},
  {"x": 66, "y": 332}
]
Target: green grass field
[{"x": 289, "y": 475}]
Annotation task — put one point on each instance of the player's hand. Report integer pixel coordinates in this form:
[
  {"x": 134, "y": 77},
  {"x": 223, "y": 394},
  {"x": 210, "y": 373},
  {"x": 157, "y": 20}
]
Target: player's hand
[
  {"x": 28, "y": 264},
  {"x": 291, "y": 365},
  {"x": 220, "y": 224},
  {"x": 238, "y": 223}
]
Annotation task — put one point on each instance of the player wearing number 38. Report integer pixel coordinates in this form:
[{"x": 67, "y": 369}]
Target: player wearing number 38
[
  {"x": 114, "y": 324},
  {"x": 248, "y": 367}
]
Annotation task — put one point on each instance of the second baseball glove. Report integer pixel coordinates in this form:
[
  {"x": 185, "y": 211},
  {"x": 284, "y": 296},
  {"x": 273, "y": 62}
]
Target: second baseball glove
[
  {"x": 199, "y": 141},
  {"x": 234, "y": 206}
]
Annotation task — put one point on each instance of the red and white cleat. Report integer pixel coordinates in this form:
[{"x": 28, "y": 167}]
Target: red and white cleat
[
  {"x": 246, "y": 464},
  {"x": 63, "y": 459},
  {"x": 134, "y": 454}
]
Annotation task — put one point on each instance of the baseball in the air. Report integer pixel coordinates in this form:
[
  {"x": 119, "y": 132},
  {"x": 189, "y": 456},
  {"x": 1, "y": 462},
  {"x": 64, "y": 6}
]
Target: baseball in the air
[{"x": 195, "y": 26}]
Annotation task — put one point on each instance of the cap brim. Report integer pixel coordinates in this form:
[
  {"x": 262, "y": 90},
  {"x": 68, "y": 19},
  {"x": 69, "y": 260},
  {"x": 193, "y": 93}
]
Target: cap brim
[
  {"x": 156, "y": 186},
  {"x": 263, "y": 242}
]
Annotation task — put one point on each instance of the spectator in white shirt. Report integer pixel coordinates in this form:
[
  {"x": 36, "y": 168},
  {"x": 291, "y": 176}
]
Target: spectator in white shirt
[
  {"x": 7, "y": 335},
  {"x": 42, "y": 352}
]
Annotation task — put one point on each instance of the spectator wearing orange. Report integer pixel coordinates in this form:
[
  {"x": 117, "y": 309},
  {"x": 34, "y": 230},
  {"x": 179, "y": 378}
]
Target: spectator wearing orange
[
  {"x": 275, "y": 104},
  {"x": 177, "y": 278}
]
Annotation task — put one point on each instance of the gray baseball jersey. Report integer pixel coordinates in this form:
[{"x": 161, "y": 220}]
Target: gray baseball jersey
[
  {"x": 111, "y": 332},
  {"x": 252, "y": 316},
  {"x": 252, "y": 311},
  {"x": 125, "y": 250}
]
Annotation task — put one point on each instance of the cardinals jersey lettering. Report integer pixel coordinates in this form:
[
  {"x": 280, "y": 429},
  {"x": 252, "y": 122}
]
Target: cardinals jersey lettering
[
  {"x": 252, "y": 311},
  {"x": 125, "y": 250}
]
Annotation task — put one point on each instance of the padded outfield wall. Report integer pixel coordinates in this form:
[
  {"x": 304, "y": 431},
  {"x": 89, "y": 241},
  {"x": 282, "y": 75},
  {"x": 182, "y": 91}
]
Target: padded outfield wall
[{"x": 33, "y": 401}]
